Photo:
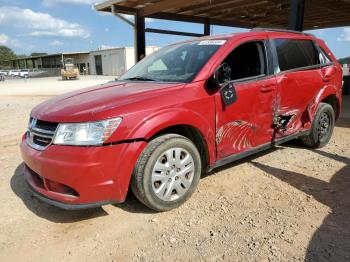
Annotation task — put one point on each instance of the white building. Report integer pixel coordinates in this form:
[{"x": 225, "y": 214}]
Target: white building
[
  {"x": 115, "y": 61},
  {"x": 110, "y": 62},
  {"x": 346, "y": 70}
]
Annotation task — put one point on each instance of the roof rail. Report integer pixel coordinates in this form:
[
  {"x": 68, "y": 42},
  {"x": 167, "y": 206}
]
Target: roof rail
[{"x": 261, "y": 29}]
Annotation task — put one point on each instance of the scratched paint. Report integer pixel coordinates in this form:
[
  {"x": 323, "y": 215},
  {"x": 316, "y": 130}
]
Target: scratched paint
[{"x": 239, "y": 135}]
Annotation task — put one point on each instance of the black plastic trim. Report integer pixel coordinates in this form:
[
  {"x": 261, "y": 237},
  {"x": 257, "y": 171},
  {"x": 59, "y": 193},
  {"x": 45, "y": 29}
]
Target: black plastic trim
[
  {"x": 68, "y": 206},
  {"x": 235, "y": 157}
]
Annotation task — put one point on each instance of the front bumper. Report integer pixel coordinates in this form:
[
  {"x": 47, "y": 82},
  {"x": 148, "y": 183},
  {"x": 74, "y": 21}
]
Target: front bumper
[
  {"x": 73, "y": 177},
  {"x": 67, "y": 206}
]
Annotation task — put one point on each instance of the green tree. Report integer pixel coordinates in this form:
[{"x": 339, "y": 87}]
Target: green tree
[
  {"x": 345, "y": 60},
  {"x": 6, "y": 54}
]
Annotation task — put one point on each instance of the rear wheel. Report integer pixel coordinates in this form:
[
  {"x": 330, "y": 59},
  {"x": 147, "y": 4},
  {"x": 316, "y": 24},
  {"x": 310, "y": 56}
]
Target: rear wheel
[
  {"x": 322, "y": 127},
  {"x": 167, "y": 172}
]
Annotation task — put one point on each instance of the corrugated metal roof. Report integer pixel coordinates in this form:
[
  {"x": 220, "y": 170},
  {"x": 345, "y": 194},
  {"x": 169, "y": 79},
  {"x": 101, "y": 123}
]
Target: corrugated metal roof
[{"x": 238, "y": 13}]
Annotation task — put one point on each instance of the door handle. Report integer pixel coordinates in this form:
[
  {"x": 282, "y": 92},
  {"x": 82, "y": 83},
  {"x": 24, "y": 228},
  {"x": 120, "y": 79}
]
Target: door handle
[{"x": 268, "y": 88}]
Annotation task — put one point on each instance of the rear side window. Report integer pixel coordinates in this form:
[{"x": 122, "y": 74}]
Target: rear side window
[
  {"x": 323, "y": 58},
  {"x": 294, "y": 53}
]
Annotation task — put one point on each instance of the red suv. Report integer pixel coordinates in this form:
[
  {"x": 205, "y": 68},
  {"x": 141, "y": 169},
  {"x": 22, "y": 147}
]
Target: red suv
[{"x": 182, "y": 111}]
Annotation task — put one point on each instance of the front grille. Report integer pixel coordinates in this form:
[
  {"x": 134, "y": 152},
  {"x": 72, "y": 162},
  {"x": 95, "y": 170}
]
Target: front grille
[
  {"x": 45, "y": 125},
  {"x": 41, "y": 141},
  {"x": 40, "y": 133}
]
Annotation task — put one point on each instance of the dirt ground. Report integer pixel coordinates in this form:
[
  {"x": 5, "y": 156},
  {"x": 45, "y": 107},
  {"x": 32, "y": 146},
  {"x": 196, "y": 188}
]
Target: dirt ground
[{"x": 286, "y": 204}]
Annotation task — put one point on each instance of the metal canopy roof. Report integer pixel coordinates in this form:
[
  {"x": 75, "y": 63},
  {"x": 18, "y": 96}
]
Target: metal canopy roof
[{"x": 237, "y": 13}]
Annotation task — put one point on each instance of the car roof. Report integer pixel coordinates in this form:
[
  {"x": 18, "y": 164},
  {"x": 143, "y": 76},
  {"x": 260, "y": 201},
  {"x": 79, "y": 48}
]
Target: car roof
[{"x": 272, "y": 33}]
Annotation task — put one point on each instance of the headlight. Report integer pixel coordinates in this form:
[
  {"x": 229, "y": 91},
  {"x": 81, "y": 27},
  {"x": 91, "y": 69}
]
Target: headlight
[{"x": 86, "y": 134}]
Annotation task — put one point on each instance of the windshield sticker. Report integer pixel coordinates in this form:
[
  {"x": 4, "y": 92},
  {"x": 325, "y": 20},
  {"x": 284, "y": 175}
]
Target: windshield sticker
[{"x": 212, "y": 42}]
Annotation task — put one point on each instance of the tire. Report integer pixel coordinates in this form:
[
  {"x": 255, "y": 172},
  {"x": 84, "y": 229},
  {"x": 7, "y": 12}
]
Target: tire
[
  {"x": 322, "y": 127},
  {"x": 158, "y": 180}
]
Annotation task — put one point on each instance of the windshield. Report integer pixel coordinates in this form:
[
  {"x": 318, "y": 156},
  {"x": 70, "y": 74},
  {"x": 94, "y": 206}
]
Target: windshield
[{"x": 175, "y": 63}]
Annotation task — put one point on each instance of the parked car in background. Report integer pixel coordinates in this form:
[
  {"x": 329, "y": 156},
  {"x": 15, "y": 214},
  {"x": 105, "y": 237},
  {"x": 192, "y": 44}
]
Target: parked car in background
[
  {"x": 180, "y": 112},
  {"x": 4, "y": 72},
  {"x": 14, "y": 72},
  {"x": 24, "y": 73},
  {"x": 36, "y": 73}
]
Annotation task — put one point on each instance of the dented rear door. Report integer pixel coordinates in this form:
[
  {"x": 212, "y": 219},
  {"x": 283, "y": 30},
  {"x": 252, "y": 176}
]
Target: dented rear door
[{"x": 299, "y": 81}]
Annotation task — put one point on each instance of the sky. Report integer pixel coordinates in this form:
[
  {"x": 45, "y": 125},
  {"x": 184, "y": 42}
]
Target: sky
[{"x": 54, "y": 26}]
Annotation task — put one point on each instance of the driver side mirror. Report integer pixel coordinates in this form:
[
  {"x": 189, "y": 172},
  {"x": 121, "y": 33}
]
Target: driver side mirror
[
  {"x": 222, "y": 80},
  {"x": 222, "y": 75},
  {"x": 228, "y": 94}
]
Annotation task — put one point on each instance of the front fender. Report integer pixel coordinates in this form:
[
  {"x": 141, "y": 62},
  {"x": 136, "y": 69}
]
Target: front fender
[{"x": 170, "y": 117}]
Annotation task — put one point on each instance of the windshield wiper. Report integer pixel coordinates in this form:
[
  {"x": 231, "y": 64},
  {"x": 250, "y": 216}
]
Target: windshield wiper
[{"x": 139, "y": 78}]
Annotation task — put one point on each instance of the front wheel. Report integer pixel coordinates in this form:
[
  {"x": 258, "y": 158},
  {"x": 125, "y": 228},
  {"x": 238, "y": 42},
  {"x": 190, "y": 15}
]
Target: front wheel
[
  {"x": 167, "y": 172},
  {"x": 322, "y": 127}
]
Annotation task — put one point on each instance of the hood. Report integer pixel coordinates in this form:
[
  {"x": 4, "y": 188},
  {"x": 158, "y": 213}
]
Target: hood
[{"x": 100, "y": 102}]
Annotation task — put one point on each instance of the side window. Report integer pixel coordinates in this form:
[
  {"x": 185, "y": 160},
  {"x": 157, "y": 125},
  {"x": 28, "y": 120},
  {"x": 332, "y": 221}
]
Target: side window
[
  {"x": 294, "y": 53},
  {"x": 323, "y": 57},
  {"x": 247, "y": 60}
]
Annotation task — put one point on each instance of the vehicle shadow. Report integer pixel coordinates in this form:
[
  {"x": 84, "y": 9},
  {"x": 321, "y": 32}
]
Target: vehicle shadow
[
  {"x": 133, "y": 205},
  {"x": 331, "y": 242},
  {"x": 43, "y": 210}
]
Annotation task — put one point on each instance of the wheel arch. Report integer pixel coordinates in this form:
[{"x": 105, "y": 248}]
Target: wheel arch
[
  {"x": 198, "y": 128},
  {"x": 334, "y": 103},
  {"x": 328, "y": 95},
  {"x": 193, "y": 134}
]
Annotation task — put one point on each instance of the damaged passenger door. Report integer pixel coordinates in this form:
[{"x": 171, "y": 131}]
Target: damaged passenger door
[
  {"x": 244, "y": 117},
  {"x": 299, "y": 78}
]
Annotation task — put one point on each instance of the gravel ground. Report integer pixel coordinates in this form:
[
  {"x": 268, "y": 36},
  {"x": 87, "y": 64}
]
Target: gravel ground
[{"x": 286, "y": 204}]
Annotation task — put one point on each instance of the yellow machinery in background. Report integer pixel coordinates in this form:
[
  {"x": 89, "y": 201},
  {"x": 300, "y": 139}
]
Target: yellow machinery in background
[{"x": 69, "y": 70}]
